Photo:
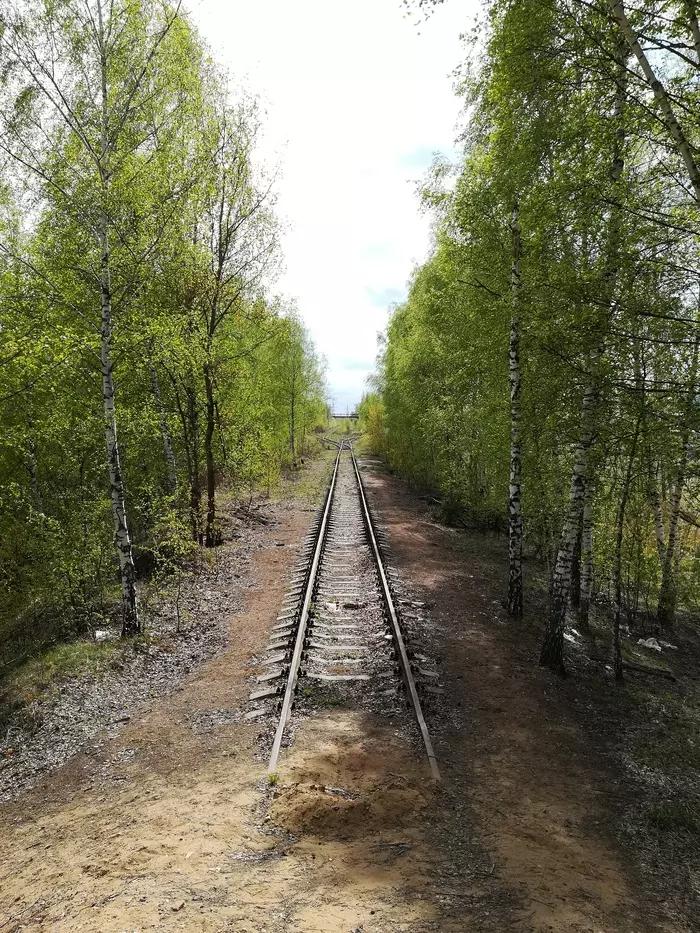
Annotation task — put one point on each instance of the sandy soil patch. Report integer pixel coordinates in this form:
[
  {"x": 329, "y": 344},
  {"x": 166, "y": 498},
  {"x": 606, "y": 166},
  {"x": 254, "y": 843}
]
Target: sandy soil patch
[{"x": 172, "y": 824}]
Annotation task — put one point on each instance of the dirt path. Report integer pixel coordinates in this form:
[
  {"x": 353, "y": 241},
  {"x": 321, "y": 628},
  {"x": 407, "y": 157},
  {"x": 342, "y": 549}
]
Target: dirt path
[
  {"x": 523, "y": 747},
  {"x": 173, "y": 826}
]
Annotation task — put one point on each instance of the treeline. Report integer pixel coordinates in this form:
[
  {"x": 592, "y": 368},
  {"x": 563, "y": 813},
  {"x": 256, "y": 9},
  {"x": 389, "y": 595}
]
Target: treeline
[
  {"x": 543, "y": 372},
  {"x": 144, "y": 362}
]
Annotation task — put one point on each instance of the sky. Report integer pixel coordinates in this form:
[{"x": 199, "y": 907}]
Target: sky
[{"x": 357, "y": 99}]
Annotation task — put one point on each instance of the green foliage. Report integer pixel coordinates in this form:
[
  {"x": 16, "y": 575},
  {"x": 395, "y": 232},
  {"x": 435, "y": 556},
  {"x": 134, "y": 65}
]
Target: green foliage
[
  {"x": 371, "y": 422},
  {"x": 672, "y": 816},
  {"x": 609, "y": 267},
  {"x": 207, "y": 362},
  {"x": 445, "y": 402},
  {"x": 68, "y": 659}
]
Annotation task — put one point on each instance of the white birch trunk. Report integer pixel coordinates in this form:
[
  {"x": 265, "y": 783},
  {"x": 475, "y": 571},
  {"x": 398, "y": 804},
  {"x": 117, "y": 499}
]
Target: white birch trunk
[
  {"x": 192, "y": 419},
  {"x": 210, "y": 531},
  {"x": 666, "y": 607},
  {"x": 691, "y": 10},
  {"x": 515, "y": 514},
  {"x": 130, "y": 617},
  {"x": 659, "y": 528},
  {"x": 131, "y": 624},
  {"x": 669, "y": 117},
  {"x": 617, "y": 564},
  {"x": 552, "y": 654},
  {"x": 31, "y": 460},
  {"x": 31, "y": 466},
  {"x": 293, "y": 424},
  {"x": 586, "y": 559}
]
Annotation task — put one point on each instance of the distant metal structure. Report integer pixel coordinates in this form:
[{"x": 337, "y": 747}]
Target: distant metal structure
[{"x": 353, "y": 417}]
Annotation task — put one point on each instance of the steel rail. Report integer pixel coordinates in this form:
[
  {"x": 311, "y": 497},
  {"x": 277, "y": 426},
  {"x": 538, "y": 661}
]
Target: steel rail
[
  {"x": 303, "y": 621},
  {"x": 405, "y": 663}
]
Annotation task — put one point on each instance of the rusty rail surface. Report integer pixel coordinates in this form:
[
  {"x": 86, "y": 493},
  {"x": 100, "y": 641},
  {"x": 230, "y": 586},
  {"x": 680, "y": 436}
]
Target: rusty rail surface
[
  {"x": 308, "y": 588},
  {"x": 303, "y": 621},
  {"x": 404, "y": 662}
]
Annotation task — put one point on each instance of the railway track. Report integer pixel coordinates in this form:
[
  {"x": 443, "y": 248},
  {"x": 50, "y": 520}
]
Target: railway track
[{"x": 340, "y": 634}]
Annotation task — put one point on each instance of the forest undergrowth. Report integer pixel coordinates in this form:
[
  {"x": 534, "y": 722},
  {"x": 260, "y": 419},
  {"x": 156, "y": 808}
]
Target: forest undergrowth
[
  {"x": 149, "y": 370},
  {"x": 53, "y": 704},
  {"x": 649, "y": 727},
  {"x": 542, "y": 374}
]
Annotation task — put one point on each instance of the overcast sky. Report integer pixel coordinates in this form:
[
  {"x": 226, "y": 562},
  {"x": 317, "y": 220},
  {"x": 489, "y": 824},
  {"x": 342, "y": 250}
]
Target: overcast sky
[{"x": 357, "y": 99}]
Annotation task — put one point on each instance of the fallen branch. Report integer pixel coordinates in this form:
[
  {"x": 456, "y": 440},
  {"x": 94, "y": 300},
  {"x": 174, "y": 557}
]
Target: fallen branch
[
  {"x": 645, "y": 669},
  {"x": 638, "y": 668},
  {"x": 15, "y": 917},
  {"x": 244, "y": 513}
]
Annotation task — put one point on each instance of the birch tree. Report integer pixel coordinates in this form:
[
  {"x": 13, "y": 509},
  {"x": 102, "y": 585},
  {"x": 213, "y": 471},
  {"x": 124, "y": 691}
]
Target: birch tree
[
  {"x": 239, "y": 237},
  {"x": 667, "y": 596},
  {"x": 551, "y": 654},
  {"x": 136, "y": 238},
  {"x": 583, "y": 114},
  {"x": 668, "y": 116},
  {"x": 515, "y": 522},
  {"x": 89, "y": 73},
  {"x": 298, "y": 375}
]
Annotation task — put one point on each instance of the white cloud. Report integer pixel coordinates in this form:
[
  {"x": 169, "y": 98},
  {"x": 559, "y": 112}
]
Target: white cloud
[{"x": 357, "y": 100}]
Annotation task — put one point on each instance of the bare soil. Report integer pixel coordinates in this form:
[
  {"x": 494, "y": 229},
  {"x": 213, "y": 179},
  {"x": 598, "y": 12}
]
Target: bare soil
[{"x": 172, "y": 824}]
